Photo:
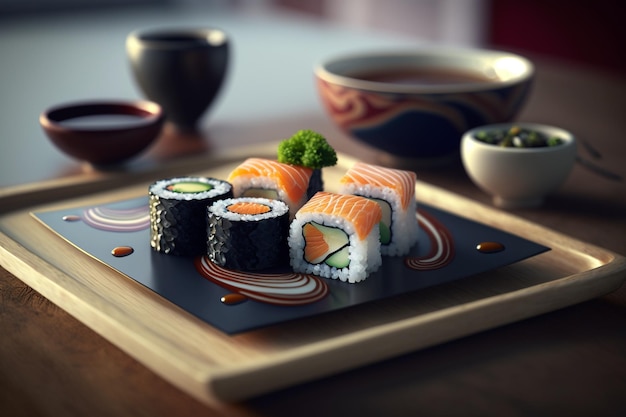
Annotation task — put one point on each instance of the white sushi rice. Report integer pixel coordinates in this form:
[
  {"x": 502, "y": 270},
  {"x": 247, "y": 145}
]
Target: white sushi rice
[
  {"x": 220, "y": 208},
  {"x": 219, "y": 187},
  {"x": 404, "y": 225},
  {"x": 364, "y": 255}
]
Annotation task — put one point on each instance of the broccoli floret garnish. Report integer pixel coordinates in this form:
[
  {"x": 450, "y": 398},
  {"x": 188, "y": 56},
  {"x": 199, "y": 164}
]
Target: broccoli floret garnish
[{"x": 307, "y": 148}]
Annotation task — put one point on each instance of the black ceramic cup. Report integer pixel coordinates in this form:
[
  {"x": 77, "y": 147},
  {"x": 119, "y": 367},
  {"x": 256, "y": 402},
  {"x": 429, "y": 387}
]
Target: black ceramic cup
[{"x": 181, "y": 69}]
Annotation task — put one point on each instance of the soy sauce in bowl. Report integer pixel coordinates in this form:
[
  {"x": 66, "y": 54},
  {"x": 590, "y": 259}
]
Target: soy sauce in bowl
[
  {"x": 103, "y": 121},
  {"x": 103, "y": 132},
  {"x": 423, "y": 76}
]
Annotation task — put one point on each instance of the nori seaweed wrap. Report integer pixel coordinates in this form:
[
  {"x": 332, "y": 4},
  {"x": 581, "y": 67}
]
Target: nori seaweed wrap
[
  {"x": 316, "y": 183},
  {"x": 248, "y": 233},
  {"x": 178, "y": 213}
]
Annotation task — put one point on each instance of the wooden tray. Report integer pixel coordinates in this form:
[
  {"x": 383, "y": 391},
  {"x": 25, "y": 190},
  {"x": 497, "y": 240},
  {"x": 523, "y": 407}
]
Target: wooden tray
[{"x": 215, "y": 367}]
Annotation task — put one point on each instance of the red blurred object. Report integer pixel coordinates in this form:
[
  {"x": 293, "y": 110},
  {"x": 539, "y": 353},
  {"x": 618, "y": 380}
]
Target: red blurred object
[{"x": 582, "y": 32}]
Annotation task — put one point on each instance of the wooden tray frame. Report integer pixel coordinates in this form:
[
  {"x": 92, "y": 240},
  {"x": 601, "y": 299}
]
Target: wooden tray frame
[{"x": 217, "y": 368}]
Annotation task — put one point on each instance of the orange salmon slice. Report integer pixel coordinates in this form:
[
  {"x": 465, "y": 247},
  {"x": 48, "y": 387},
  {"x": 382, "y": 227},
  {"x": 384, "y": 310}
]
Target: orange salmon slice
[
  {"x": 292, "y": 179},
  {"x": 248, "y": 208},
  {"x": 363, "y": 213},
  {"x": 321, "y": 241},
  {"x": 402, "y": 182},
  {"x": 316, "y": 247}
]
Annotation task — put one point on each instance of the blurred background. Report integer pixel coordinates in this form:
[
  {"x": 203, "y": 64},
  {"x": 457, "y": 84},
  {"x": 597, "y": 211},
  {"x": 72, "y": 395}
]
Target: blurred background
[
  {"x": 55, "y": 51},
  {"x": 584, "y": 32}
]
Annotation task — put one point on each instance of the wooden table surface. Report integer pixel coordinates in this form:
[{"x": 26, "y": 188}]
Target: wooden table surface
[{"x": 568, "y": 362}]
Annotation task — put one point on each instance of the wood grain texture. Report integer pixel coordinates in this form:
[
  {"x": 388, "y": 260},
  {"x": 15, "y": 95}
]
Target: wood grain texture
[{"x": 174, "y": 344}]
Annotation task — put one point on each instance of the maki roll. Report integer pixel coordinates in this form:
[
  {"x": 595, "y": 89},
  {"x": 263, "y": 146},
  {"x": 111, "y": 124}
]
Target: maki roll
[
  {"x": 248, "y": 233},
  {"x": 394, "y": 191},
  {"x": 178, "y": 213},
  {"x": 336, "y": 236},
  {"x": 266, "y": 178}
]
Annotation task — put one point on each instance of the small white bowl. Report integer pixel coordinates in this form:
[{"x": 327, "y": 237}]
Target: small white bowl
[{"x": 518, "y": 177}]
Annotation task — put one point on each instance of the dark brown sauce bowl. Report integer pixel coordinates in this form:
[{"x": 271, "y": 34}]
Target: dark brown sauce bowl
[{"x": 126, "y": 128}]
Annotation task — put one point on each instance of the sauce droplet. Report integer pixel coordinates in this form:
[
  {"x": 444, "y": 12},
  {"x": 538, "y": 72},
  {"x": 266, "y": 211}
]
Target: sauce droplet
[
  {"x": 71, "y": 218},
  {"x": 490, "y": 247},
  {"x": 233, "y": 298},
  {"x": 121, "y": 251}
]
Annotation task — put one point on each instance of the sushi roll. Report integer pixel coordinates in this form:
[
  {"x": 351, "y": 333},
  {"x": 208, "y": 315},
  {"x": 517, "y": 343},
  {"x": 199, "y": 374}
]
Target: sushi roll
[
  {"x": 394, "y": 191},
  {"x": 266, "y": 178},
  {"x": 178, "y": 213},
  {"x": 248, "y": 233},
  {"x": 336, "y": 236}
]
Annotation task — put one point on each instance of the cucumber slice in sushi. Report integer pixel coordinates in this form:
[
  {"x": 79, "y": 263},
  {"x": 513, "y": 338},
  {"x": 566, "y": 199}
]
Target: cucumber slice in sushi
[
  {"x": 385, "y": 223},
  {"x": 340, "y": 259},
  {"x": 322, "y": 242},
  {"x": 189, "y": 187}
]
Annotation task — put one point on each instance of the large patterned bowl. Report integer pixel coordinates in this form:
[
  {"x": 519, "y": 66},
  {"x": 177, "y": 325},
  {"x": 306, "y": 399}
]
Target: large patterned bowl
[{"x": 417, "y": 104}]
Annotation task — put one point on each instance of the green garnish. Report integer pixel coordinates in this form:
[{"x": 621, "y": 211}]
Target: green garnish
[
  {"x": 307, "y": 148},
  {"x": 516, "y": 137}
]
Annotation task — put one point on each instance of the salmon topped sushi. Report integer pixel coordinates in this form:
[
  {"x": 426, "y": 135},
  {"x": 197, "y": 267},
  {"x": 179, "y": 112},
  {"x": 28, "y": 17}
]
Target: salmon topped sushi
[
  {"x": 266, "y": 178},
  {"x": 394, "y": 191},
  {"x": 336, "y": 236}
]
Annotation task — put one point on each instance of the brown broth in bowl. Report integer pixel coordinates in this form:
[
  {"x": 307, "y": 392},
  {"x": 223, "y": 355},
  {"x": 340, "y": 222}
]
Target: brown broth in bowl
[{"x": 422, "y": 76}]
